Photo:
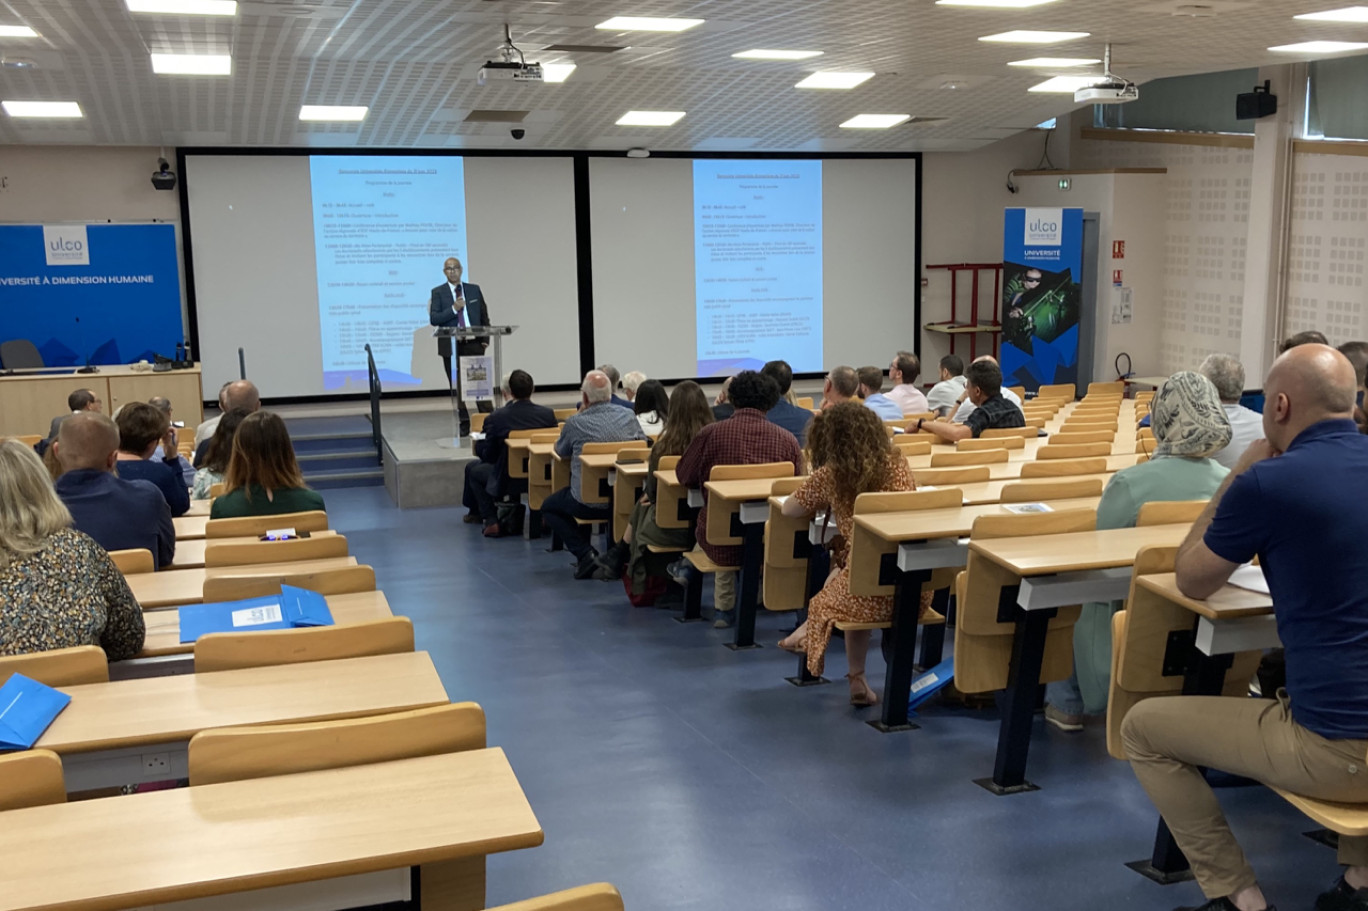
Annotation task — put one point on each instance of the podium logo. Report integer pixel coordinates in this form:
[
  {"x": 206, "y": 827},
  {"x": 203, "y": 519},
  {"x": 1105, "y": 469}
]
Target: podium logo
[
  {"x": 1044, "y": 227},
  {"x": 66, "y": 245}
]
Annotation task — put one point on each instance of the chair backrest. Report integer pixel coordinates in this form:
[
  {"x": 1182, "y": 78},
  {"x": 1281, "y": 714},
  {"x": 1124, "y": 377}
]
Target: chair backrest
[
  {"x": 1057, "y": 391},
  {"x": 610, "y": 446},
  {"x": 134, "y": 560},
  {"x": 1007, "y": 433},
  {"x": 20, "y": 354},
  {"x": 29, "y": 439},
  {"x": 868, "y": 551},
  {"x": 1170, "y": 512},
  {"x": 1089, "y": 436},
  {"x": 563, "y": 413},
  {"x": 912, "y": 445},
  {"x": 292, "y": 551},
  {"x": 340, "y": 581},
  {"x": 1072, "y": 451},
  {"x": 477, "y": 420},
  {"x": 785, "y": 486},
  {"x": 938, "y": 476},
  {"x": 747, "y": 472},
  {"x": 1059, "y": 522},
  {"x": 982, "y": 457},
  {"x": 59, "y": 667},
  {"x": 1144, "y": 433},
  {"x": 668, "y": 463},
  {"x": 719, "y": 529},
  {"x": 1008, "y": 443},
  {"x": 523, "y": 434},
  {"x": 633, "y": 454},
  {"x": 32, "y": 778},
  {"x": 1019, "y": 390},
  {"x": 907, "y": 500},
  {"x": 236, "y": 754},
  {"x": 1035, "y": 491},
  {"x": 597, "y": 897},
  {"x": 1088, "y": 424},
  {"x": 804, "y": 401},
  {"x": 544, "y": 436},
  {"x": 1115, "y": 387},
  {"x": 230, "y": 651},
  {"x": 216, "y": 490},
  {"x": 314, "y": 520},
  {"x": 671, "y": 506},
  {"x": 1060, "y": 468}
]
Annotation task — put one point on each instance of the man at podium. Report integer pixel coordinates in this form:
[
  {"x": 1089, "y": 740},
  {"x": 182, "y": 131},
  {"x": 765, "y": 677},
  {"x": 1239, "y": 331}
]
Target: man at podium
[{"x": 457, "y": 304}]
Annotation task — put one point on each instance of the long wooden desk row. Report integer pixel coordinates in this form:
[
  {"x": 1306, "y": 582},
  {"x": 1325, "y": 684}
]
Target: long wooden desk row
[
  {"x": 173, "y": 587},
  {"x": 190, "y": 551}
]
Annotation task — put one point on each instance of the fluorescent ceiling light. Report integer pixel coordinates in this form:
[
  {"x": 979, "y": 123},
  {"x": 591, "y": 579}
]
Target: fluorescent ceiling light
[
  {"x": 1348, "y": 14},
  {"x": 192, "y": 64},
  {"x": 1066, "y": 84},
  {"x": 763, "y": 54},
  {"x": 647, "y": 24},
  {"x": 875, "y": 121},
  {"x": 1026, "y": 36},
  {"x": 17, "y": 31},
  {"x": 42, "y": 108},
  {"x": 833, "y": 80},
  {"x": 994, "y": 4},
  {"x": 556, "y": 72},
  {"x": 1320, "y": 47},
  {"x": 1055, "y": 61},
  {"x": 339, "y": 112},
  {"x": 649, "y": 118},
  {"x": 184, "y": 7}
]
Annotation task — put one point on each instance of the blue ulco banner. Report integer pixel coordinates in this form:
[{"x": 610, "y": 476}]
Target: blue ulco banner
[
  {"x": 1042, "y": 265},
  {"x": 91, "y": 294}
]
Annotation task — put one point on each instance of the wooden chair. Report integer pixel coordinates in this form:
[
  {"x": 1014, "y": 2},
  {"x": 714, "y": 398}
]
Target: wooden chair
[
  {"x": 564, "y": 413},
  {"x": 597, "y": 897},
  {"x": 911, "y": 446},
  {"x": 719, "y": 528},
  {"x": 939, "y": 477},
  {"x": 1008, "y": 443},
  {"x": 1064, "y": 391},
  {"x": 340, "y": 581},
  {"x": 1007, "y": 433},
  {"x": 1143, "y": 398},
  {"x": 59, "y": 667},
  {"x": 216, "y": 490},
  {"x": 982, "y": 457},
  {"x": 32, "y": 778},
  {"x": 136, "y": 560},
  {"x": 1343, "y": 818},
  {"x": 292, "y": 551},
  {"x": 1035, "y": 491},
  {"x": 1144, "y": 433},
  {"x": 1072, "y": 451},
  {"x": 867, "y": 550},
  {"x": 262, "y": 751},
  {"x": 29, "y": 439},
  {"x": 983, "y": 646},
  {"x": 231, "y": 651},
  {"x": 1091, "y": 436},
  {"x": 784, "y": 581},
  {"x": 1116, "y": 388},
  {"x": 1019, "y": 390},
  {"x": 1062, "y": 468},
  {"x": 594, "y": 483},
  {"x": 314, "y": 520},
  {"x": 1170, "y": 512},
  {"x": 672, "y": 506},
  {"x": 477, "y": 421},
  {"x": 1088, "y": 424}
]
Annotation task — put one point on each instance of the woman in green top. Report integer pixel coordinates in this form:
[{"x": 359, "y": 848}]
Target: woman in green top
[
  {"x": 1189, "y": 426},
  {"x": 263, "y": 477}
]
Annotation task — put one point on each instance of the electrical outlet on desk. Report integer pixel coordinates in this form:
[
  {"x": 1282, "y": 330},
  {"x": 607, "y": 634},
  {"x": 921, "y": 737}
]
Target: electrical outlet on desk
[{"x": 156, "y": 766}]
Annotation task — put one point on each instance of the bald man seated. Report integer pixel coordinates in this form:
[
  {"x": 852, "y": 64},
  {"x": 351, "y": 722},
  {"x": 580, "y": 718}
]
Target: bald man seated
[
  {"x": 118, "y": 514},
  {"x": 237, "y": 394},
  {"x": 1291, "y": 500}
]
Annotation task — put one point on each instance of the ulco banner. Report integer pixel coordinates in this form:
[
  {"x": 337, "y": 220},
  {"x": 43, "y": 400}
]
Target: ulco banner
[
  {"x": 91, "y": 294},
  {"x": 1042, "y": 264}
]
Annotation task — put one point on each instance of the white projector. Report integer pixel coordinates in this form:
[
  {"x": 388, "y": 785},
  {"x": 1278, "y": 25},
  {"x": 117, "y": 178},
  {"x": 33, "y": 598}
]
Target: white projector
[
  {"x": 495, "y": 71},
  {"x": 1118, "y": 92}
]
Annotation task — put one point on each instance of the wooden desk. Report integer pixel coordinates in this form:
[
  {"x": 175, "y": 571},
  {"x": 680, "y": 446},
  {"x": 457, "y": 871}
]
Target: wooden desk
[
  {"x": 628, "y": 481},
  {"x": 1011, "y": 469},
  {"x": 108, "y": 727},
  {"x": 190, "y": 527},
  {"x": 595, "y": 471},
  {"x": 518, "y": 456},
  {"x": 190, "y": 553},
  {"x": 268, "y": 832},
  {"x": 980, "y": 492},
  {"x": 539, "y": 473},
  {"x": 200, "y": 508},
  {"x": 29, "y": 401},
  {"x": 186, "y": 586},
  {"x": 752, "y": 496}
]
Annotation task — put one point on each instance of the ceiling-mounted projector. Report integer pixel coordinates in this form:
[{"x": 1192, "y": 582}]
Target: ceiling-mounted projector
[
  {"x": 511, "y": 66},
  {"x": 1112, "y": 89}
]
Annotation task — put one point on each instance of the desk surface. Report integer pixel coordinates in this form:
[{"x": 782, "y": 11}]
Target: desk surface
[
  {"x": 955, "y": 522},
  {"x": 129, "y": 713},
  {"x": 163, "y": 626},
  {"x": 744, "y": 490},
  {"x": 190, "y": 553},
  {"x": 991, "y": 491},
  {"x": 1226, "y": 604},
  {"x": 190, "y": 527},
  {"x": 171, "y": 587},
  {"x": 1012, "y": 468},
  {"x": 213, "y": 839},
  {"x": 199, "y": 508},
  {"x": 1042, "y": 555}
]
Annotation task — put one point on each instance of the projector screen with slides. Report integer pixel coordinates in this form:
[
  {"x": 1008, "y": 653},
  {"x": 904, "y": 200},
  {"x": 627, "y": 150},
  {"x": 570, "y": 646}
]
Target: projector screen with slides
[
  {"x": 703, "y": 267},
  {"x": 302, "y": 260}
]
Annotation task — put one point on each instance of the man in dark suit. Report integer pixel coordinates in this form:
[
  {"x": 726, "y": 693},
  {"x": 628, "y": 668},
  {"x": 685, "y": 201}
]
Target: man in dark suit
[
  {"x": 487, "y": 478},
  {"x": 457, "y": 304},
  {"x": 787, "y": 415},
  {"x": 78, "y": 401}
]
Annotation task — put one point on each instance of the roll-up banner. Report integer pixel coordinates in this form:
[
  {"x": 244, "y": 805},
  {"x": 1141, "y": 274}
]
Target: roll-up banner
[{"x": 1042, "y": 265}]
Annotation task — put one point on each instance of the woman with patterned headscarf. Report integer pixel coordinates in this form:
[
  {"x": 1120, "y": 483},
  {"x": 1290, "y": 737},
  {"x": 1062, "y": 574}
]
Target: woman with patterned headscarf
[{"x": 1189, "y": 427}]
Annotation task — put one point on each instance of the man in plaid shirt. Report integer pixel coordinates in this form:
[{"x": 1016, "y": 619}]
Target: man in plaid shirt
[{"x": 746, "y": 438}]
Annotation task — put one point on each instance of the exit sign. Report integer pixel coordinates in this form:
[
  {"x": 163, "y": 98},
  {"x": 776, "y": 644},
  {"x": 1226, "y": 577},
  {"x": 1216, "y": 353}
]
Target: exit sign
[{"x": 1065, "y": 183}]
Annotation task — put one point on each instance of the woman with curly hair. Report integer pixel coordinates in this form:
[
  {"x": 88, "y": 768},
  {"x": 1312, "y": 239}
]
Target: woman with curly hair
[{"x": 850, "y": 454}]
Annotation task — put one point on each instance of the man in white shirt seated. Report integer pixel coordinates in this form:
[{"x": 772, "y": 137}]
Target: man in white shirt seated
[
  {"x": 945, "y": 395},
  {"x": 966, "y": 407},
  {"x": 1228, "y": 376},
  {"x": 904, "y": 372}
]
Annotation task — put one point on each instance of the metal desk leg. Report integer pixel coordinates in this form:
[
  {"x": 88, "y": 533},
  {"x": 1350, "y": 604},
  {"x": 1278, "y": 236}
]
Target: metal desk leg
[
  {"x": 819, "y": 565},
  {"x": 748, "y": 586},
  {"x": 1019, "y": 702},
  {"x": 693, "y": 598},
  {"x": 933, "y": 637},
  {"x": 903, "y": 635}
]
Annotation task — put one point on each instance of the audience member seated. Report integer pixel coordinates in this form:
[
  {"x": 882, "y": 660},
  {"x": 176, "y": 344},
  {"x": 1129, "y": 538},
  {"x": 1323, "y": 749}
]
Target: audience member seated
[
  {"x": 1227, "y": 375},
  {"x": 615, "y": 381},
  {"x": 218, "y": 453},
  {"x": 598, "y": 421},
  {"x": 841, "y": 385},
  {"x": 785, "y": 413},
  {"x": 486, "y": 478},
  {"x": 652, "y": 406},
  {"x": 78, "y": 401},
  {"x": 871, "y": 381},
  {"x": 746, "y": 438},
  {"x": 263, "y": 477},
  {"x": 206, "y": 427},
  {"x": 163, "y": 404},
  {"x": 904, "y": 370},
  {"x": 58, "y": 588},
  {"x": 1189, "y": 428},
  {"x": 1357, "y": 353},
  {"x": 141, "y": 428},
  {"x": 1310, "y": 337},
  {"x": 944, "y": 396},
  {"x": 991, "y": 408},
  {"x": 964, "y": 407},
  {"x": 631, "y": 382},
  {"x": 1289, "y": 501},
  {"x": 851, "y": 454},
  {"x": 237, "y": 394},
  {"x": 689, "y": 413},
  {"x": 722, "y": 408},
  {"x": 119, "y": 514}
]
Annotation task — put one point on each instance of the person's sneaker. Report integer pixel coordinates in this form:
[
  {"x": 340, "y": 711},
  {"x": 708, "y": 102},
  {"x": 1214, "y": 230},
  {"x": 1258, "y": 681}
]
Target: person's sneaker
[
  {"x": 1342, "y": 897},
  {"x": 722, "y": 619},
  {"x": 1218, "y": 904},
  {"x": 472, "y": 518},
  {"x": 1063, "y": 720},
  {"x": 679, "y": 571},
  {"x": 585, "y": 566}
]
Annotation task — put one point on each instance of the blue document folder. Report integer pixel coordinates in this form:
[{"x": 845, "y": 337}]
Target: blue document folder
[
  {"x": 291, "y": 609},
  {"x": 27, "y": 707},
  {"x": 930, "y": 682}
]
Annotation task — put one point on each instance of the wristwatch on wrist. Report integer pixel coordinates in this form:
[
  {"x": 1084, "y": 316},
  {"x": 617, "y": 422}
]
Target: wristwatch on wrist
[{"x": 919, "y": 423}]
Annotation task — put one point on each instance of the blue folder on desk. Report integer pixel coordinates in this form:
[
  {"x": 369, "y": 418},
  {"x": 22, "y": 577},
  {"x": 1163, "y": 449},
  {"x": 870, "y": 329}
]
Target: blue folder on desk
[
  {"x": 291, "y": 609},
  {"x": 27, "y": 707}
]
